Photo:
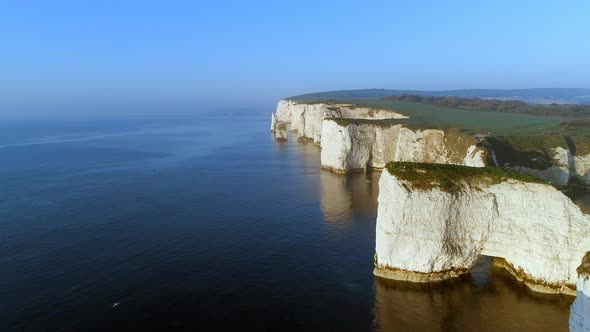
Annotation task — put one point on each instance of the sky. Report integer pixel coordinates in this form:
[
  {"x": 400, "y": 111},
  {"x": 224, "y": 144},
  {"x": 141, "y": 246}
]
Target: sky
[{"x": 254, "y": 52}]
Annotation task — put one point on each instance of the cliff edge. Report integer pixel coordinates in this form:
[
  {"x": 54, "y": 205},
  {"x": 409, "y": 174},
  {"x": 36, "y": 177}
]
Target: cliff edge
[{"x": 434, "y": 221}]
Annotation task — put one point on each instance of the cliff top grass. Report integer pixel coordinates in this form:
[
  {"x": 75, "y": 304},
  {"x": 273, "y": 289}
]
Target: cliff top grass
[
  {"x": 453, "y": 178},
  {"x": 542, "y": 95},
  {"x": 454, "y": 134},
  {"x": 503, "y": 105},
  {"x": 529, "y": 140}
]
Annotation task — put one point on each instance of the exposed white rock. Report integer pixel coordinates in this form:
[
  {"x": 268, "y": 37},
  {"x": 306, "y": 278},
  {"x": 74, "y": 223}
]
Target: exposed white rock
[
  {"x": 397, "y": 143},
  {"x": 426, "y": 145},
  {"x": 306, "y": 118},
  {"x": 273, "y": 123},
  {"x": 475, "y": 157},
  {"x": 431, "y": 234},
  {"x": 352, "y": 146},
  {"x": 580, "y": 309},
  {"x": 346, "y": 148}
]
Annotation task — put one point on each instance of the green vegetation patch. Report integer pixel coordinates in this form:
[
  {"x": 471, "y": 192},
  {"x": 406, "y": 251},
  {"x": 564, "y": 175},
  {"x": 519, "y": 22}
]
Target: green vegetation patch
[
  {"x": 495, "y": 105},
  {"x": 521, "y": 139},
  {"x": 423, "y": 115},
  {"x": 576, "y": 123},
  {"x": 488, "y": 123},
  {"x": 454, "y": 178}
]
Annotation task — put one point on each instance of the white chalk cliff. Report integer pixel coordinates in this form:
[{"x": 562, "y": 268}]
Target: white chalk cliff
[
  {"x": 357, "y": 145},
  {"x": 429, "y": 234},
  {"x": 580, "y": 309},
  {"x": 306, "y": 118},
  {"x": 352, "y": 145}
]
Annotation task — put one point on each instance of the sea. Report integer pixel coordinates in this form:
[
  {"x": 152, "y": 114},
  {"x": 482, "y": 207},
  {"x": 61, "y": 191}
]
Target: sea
[{"x": 207, "y": 223}]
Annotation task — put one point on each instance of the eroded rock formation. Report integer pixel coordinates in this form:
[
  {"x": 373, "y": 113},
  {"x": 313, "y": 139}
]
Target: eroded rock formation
[
  {"x": 558, "y": 159},
  {"x": 358, "y": 137},
  {"x": 435, "y": 220},
  {"x": 306, "y": 118},
  {"x": 353, "y": 145}
]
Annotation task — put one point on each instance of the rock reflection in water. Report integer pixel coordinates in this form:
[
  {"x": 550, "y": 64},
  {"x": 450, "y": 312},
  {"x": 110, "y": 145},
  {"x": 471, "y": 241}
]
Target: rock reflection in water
[
  {"x": 347, "y": 195},
  {"x": 489, "y": 300}
]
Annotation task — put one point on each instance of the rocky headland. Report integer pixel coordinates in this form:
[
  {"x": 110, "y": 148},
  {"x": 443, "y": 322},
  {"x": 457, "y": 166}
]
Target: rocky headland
[
  {"x": 355, "y": 137},
  {"x": 580, "y": 309},
  {"x": 459, "y": 184}
]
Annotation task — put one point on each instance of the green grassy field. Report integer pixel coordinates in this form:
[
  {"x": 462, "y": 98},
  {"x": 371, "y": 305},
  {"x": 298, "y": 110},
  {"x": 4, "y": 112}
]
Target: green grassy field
[
  {"x": 453, "y": 178},
  {"x": 488, "y": 123},
  {"x": 476, "y": 122},
  {"x": 546, "y": 95}
]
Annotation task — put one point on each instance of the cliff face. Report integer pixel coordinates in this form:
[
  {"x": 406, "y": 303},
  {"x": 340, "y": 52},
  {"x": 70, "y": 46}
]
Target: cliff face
[
  {"x": 306, "y": 119},
  {"x": 351, "y": 145},
  {"x": 429, "y": 234}
]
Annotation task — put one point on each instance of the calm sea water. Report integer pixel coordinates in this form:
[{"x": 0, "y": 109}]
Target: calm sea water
[{"x": 208, "y": 223}]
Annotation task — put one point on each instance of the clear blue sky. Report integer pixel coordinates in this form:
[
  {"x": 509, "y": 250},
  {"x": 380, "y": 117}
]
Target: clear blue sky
[{"x": 256, "y": 51}]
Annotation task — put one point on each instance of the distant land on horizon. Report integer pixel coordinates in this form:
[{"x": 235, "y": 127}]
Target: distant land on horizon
[{"x": 532, "y": 96}]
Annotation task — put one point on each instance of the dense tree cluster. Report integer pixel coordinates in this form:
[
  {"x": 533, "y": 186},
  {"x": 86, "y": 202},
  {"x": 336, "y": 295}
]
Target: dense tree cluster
[{"x": 495, "y": 105}]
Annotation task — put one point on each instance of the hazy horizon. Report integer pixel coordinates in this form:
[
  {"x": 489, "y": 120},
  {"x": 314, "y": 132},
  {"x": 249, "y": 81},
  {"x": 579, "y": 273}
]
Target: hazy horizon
[{"x": 231, "y": 54}]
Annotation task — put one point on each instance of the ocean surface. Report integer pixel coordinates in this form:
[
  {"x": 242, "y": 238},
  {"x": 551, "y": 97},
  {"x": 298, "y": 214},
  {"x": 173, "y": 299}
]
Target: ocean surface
[{"x": 207, "y": 223}]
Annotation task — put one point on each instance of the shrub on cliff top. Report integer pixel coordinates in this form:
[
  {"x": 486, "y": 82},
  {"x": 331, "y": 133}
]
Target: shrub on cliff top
[{"x": 453, "y": 178}]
